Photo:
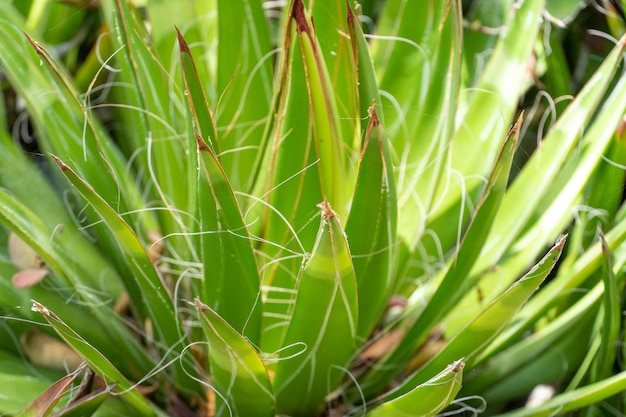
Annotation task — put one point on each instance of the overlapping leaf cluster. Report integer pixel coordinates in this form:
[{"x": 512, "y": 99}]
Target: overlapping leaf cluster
[{"x": 245, "y": 208}]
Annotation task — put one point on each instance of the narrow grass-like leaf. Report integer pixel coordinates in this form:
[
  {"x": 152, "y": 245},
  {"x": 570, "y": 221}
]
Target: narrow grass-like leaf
[
  {"x": 42, "y": 406},
  {"x": 328, "y": 137},
  {"x": 99, "y": 363},
  {"x": 471, "y": 340},
  {"x": 539, "y": 173},
  {"x": 322, "y": 331},
  {"x": 331, "y": 30},
  {"x": 43, "y": 201},
  {"x": 576, "y": 399},
  {"x": 368, "y": 91},
  {"x": 538, "y": 359},
  {"x": 87, "y": 405},
  {"x": 231, "y": 281},
  {"x": 145, "y": 287},
  {"x": 202, "y": 116},
  {"x": 239, "y": 375},
  {"x": 611, "y": 323},
  {"x": 155, "y": 122},
  {"x": 244, "y": 85},
  {"x": 372, "y": 232},
  {"x": 562, "y": 193},
  {"x": 454, "y": 282},
  {"x": 567, "y": 279},
  {"x": 65, "y": 127},
  {"x": 495, "y": 99},
  {"x": 289, "y": 187},
  {"x": 428, "y": 399},
  {"x": 60, "y": 259},
  {"x": 421, "y": 45},
  {"x": 486, "y": 115}
]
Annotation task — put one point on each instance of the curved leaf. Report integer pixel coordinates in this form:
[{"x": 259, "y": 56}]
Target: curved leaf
[
  {"x": 323, "y": 325},
  {"x": 427, "y": 399},
  {"x": 239, "y": 375}
]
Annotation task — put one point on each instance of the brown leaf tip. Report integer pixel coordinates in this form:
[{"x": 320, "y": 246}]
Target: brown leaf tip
[
  {"x": 560, "y": 242},
  {"x": 59, "y": 163},
  {"x": 182, "y": 44},
  {"x": 327, "y": 210},
  {"x": 39, "y": 308},
  {"x": 202, "y": 146},
  {"x": 457, "y": 366},
  {"x": 200, "y": 305},
  {"x": 351, "y": 17},
  {"x": 35, "y": 44},
  {"x": 298, "y": 14},
  {"x": 374, "y": 120}
]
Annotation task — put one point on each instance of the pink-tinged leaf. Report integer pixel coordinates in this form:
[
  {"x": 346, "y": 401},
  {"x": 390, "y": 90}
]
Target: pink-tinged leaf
[{"x": 28, "y": 277}]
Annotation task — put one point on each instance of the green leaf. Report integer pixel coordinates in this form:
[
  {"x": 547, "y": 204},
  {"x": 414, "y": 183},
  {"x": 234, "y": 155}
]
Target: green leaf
[
  {"x": 553, "y": 352},
  {"x": 59, "y": 257},
  {"x": 331, "y": 20},
  {"x": 87, "y": 405},
  {"x": 287, "y": 191},
  {"x": 65, "y": 127},
  {"x": 99, "y": 363},
  {"x": 471, "y": 341},
  {"x": 163, "y": 154},
  {"x": 201, "y": 113},
  {"x": 321, "y": 336},
  {"x": 231, "y": 281},
  {"x": 562, "y": 193},
  {"x": 239, "y": 375},
  {"x": 372, "y": 232},
  {"x": 421, "y": 47},
  {"x": 568, "y": 278},
  {"x": 244, "y": 86},
  {"x": 486, "y": 113},
  {"x": 495, "y": 99},
  {"x": 541, "y": 170},
  {"x": 326, "y": 129},
  {"x": 611, "y": 314},
  {"x": 366, "y": 76},
  {"x": 426, "y": 400},
  {"x": 145, "y": 286},
  {"x": 454, "y": 281},
  {"x": 574, "y": 400}
]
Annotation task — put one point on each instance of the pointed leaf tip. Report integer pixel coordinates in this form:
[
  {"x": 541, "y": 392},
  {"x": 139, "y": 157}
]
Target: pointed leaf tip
[
  {"x": 40, "y": 308},
  {"x": 374, "y": 120},
  {"x": 202, "y": 145},
  {"x": 182, "y": 44},
  {"x": 560, "y": 242},
  {"x": 327, "y": 210},
  {"x": 59, "y": 163},
  {"x": 200, "y": 305},
  {"x": 297, "y": 13},
  {"x": 38, "y": 48}
]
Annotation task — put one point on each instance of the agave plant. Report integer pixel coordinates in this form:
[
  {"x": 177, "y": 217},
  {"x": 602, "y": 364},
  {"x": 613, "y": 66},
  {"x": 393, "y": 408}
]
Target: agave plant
[{"x": 317, "y": 208}]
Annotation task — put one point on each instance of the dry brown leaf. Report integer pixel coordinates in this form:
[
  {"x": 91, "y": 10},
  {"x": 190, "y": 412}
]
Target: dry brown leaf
[
  {"x": 45, "y": 350},
  {"x": 382, "y": 345}
]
